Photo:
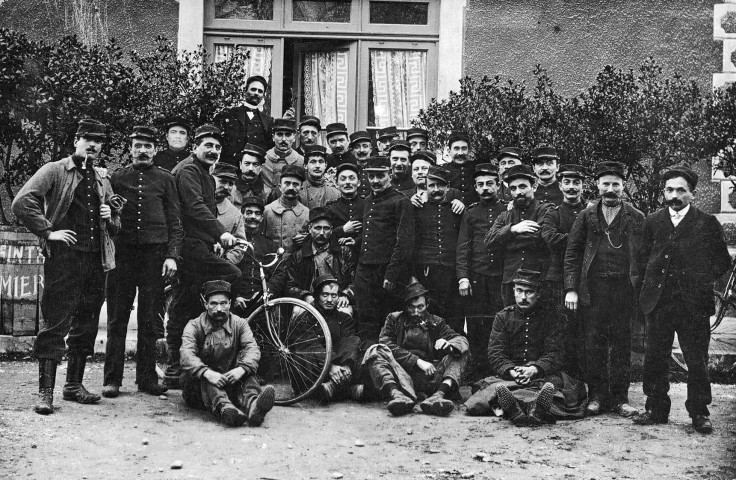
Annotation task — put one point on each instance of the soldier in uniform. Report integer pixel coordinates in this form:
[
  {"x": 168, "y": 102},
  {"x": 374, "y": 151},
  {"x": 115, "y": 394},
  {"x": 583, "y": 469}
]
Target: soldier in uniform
[
  {"x": 516, "y": 234},
  {"x": 602, "y": 276},
  {"x": 461, "y": 168},
  {"x": 316, "y": 192},
  {"x": 228, "y": 214},
  {"x": 507, "y": 158},
  {"x": 245, "y": 123},
  {"x": 282, "y": 154},
  {"x": 360, "y": 145},
  {"x": 146, "y": 253},
  {"x": 286, "y": 216},
  {"x": 399, "y": 153},
  {"x": 545, "y": 162},
  {"x": 177, "y": 141},
  {"x": 384, "y": 138},
  {"x": 309, "y": 128},
  {"x": 344, "y": 208},
  {"x": 337, "y": 138},
  {"x": 417, "y": 138},
  {"x": 478, "y": 270},
  {"x": 250, "y": 181}
]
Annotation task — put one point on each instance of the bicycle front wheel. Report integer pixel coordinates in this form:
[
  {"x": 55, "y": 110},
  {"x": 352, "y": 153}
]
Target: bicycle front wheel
[{"x": 296, "y": 347}]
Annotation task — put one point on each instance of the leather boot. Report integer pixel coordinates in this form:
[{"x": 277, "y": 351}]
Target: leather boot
[
  {"x": 437, "y": 405},
  {"x": 74, "y": 390},
  {"x": 399, "y": 404},
  {"x": 173, "y": 371},
  {"x": 46, "y": 382}
]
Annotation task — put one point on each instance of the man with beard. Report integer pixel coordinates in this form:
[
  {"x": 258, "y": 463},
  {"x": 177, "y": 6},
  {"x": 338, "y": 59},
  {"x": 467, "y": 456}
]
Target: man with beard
[
  {"x": 479, "y": 271},
  {"x": 384, "y": 138},
  {"x": 525, "y": 353},
  {"x": 461, "y": 168},
  {"x": 337, "y": 139},
  {"x": 435, "y": 247},
  {"x": 228, "y": 214},
  {"x": 246, "y": 123},
  {"x": 202, "y": 231},
  {"x": 220, "y": 356},
  {"x": 602, "y": 276},
  {"x": 146, "y": 253},
  {"x": 685, "y": 253},
  {"x": 286, "y": 216},
  {"x": 316, "y": 192},
  {"x": 545, "y": 163},
  {"x": 507, "y": 158},
  {"x": 398, "y": 154},
  {"x": 417, "y": 353},
  {"x": 360, "y": 145},
  {"x": 344, "y": 208},
  {"x": 417, "y": 138},
  {"x": 309, "y": 127},
  {"x": 70, "y": 206},
  {"x": 250, "y": 182},
  {"x": 177, "y": 140},
  {"x": 516, "y": 234},
  {"x": 282, "y": 154},
  {"x": 385, "y": 248}
]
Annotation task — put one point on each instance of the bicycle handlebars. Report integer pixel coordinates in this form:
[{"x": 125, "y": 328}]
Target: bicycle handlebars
[{"x": 277, "y": 255}]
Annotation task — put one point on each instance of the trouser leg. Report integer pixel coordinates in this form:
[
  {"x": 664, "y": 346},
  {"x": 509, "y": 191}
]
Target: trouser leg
[
  {"x": 121, "y": 287},
  {"x": 150, "y": 297},
  {"x": 620, "y": 340},
  {"x": 245, "y": 392},
  {"x": 480, "y": 309},
  {"x": 82, "y": 335},
  {"x": 693, "y": 334},
  {"x": 382, "y": 373},
  {"x": 656, "y": 382},
  {"x": 371, "y": 300},
  {"x": 596, "y": 347}
]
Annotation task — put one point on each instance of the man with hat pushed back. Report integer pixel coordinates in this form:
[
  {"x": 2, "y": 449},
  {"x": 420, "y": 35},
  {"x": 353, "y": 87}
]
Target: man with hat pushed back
[
  {"x": 229, "y": 215},
  {"x": 525, "y": 353},
  {"x": 337, "y": 139},
  {"x": 282, "y": 154},
  {"x": 507, "y": 158},
  {"x": 250, "y": 179},
  {"x": 685, "y": 253},
  {"x": 387, "y": 238},
  {"x": 286, "y": 216},
  {"x": 69, "y": 204},
  {"x": 316, "y": 192},
  {"x": 478, "y": 270},
  {"x": 384, "y": 137},
  {"x": 362, "y": 148},
  {"x": 147, "y": 252},
  {"x": 309, "y": 128},
  {"x": 461, "y": 168},
  {"x": 421, "y": 162},
  {"x": 437, "y": 227},
  {"x": 602, "y": 276},
  {"x": 347, "y": 179},
  {"x": 399, "y": 152},
  {"x": 202, "y": 230},
  {"x": 545, "y": 162},
  {"x": 417, "y": 138},
  {"x": 417, "y": 353},
  {"x": 219, "y": 358},
  {"x": 177, "y": 141},
  {"x": 516, "y": 234},
  {"x": 246, "y": 123}
]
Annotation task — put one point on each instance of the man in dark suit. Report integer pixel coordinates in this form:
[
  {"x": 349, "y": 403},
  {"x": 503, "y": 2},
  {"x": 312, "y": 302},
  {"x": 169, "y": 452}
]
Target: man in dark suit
[{"x": 685, "y": 252}]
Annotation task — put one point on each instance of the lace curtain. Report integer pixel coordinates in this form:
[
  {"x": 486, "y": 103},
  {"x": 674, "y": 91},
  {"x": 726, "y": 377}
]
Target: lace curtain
[
  {"x": 399, "y": 80},
  {"x": 259, "y": 62},
  {"x": 326, "y": 86}
]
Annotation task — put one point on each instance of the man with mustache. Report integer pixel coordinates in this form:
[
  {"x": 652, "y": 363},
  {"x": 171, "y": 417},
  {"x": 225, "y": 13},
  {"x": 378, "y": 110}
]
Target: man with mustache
[
  {"x": 177, "y": 140},
  {"x": 337, "y": 139},
  {"x": 315, "y": 191},
  {"x": 417, "y": 138},
  {"x": 202, "y": 231},
  {"x": 461, "y": 168},
  {"x": 147, "y": 250},
  {"x": 69, "y": 204},
  {"x": 282, "y": 154},
  {"x": 220, "y": 357},
  {"x": 516, "y": 234},
  {"x": 685, "y": 253},
  {"x": 507, "y": 158},
  {"x": 417, "y": 353},
  {"x": 362, "y": 148},
  {"x": 228, "y": 214},
  {"x": 435, "y": 247},
  {"x": 344, "y": 208},
  {"x": 250, "y": 181},
  {"x": 384, "y": 137},
  {"x": 525, "y": 353},
  {"x": 421, "y": 162},
  {"x": 399, "y": 152},
  {"x": 478, "y": 270},
  {"x": 309, "y": 128},
  {"x": 602, "y": 276},
  {"x": 385, "y": 254},
  {"x": 246, "y": 123},
  {"x": 545, "y": 162},
  {"x": 285, "y": 217}
]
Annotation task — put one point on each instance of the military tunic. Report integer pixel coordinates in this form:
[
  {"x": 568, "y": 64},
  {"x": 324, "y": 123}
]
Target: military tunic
[
  {"x": 168, "y": 159},
  {"x": 549, "y": 193},
  {"x": 461, "y": 178}
]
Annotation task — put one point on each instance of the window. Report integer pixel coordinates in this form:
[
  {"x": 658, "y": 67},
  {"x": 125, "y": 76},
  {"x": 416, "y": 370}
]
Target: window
[
  {"x": 398, "y": 87},
  {"x": 399, "y": 13},
  {"x": 244, "y": 9},
  {"x": 321, "y": 11}
]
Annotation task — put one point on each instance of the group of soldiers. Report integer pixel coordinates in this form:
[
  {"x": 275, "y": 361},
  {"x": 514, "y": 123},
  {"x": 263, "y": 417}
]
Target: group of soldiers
[{"x": 428, "y": 273}]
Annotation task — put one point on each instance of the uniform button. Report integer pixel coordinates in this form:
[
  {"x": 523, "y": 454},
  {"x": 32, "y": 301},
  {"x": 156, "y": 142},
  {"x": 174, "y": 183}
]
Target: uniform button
[
  {"x": 666, "y": 256},
  {"x": 663, "y": 270}
]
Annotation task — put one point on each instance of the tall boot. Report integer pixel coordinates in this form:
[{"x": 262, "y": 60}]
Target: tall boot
[
  {"x": 173, "y": 371},
  {"x": 74, "y": 390},
  {"x": 46, "y": 382}
]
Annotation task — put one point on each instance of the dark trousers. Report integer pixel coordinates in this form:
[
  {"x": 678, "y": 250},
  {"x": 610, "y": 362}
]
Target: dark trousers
[
  {"x": 373, "y": 302},
  {"x": 693, "y": 333},
  {"x": 479, "y": 310},
  {"x": 201, "y": 394},
  {"x": 442, "y": 285},
  {"x": 74, "y": 291},
  {"x": 199, "y": 265},
  {"x": 607, "y": 330},
  {"x": 137, "y": 267},
  {"x": 384, "y": 370}
]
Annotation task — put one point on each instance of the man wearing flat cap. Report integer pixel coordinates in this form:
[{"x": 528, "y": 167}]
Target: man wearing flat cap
[
  {"x": 285, "y": 217},
  {"x": 147, "y": 252},
  {"x": 229, "y": 215},
  {"x": 219, "y": 358},
  {"x": 478, "y": 270},
  {"x": 387, "y": 237},
  {"x": 417, "y": 353},
  {"x": 282, "y": 154},
  {"x": 685, "y": 253},
  {"x": 417, "y": 138},
  {"x": 602, "y": 277},
  {"x": 69, "y": 204},
  {"x": 384, "y": 137},
  {"x": 507, "y": 158},
  {"x": 246, "y": 123},
  {"x": 516, "y": 234},
  {"x": 399, "y": 153},
  {"x": 177, "y": 141},
  {"x": 250, "y": 178},
  {"x": 525, "y": 353},
  {"x": 337, "y": 139},
  {"x": 347, "y": 179},
  {"x": 309, "y": 128},
  {"x": 461, "y": 168},
  {"x": 362, "y": 148},
  {"x": 316, "y": 192},
  {"x": 545, "y": 162}
]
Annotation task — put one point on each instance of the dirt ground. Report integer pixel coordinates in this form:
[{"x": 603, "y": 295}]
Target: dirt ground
[{"x": 139, "y": 436}]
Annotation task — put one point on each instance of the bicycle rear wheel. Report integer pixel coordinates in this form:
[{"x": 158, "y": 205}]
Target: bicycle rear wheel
[{"x": 296, "y": 347}]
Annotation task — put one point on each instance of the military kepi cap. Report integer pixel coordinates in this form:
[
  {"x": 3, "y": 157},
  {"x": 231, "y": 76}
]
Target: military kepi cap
[
  {"x": 439, "y": 173},
  {"x": 359, "y": 136},
  {"x": 414, "y": 290},
  {"x": 208, "y": 130},
  {"x": 378, "y": 164},
  {"x": 320, "y": 213},
  {"x": 323, "y": 280},
  {"x": 90, "y": 128},
  {"x": 178, "y": 122},
  {"x": 690, "y": 177},
  {"x": 347, "y": 166},
  {"x": 216, "y": 286},
  {"x": 458, "y": 136},
  {"x": 425, "y": 155},
  {"x": 610, "y": 168},
  {"x": 311, "y": 121},
  {"x": 293, "y": 171},
  {"x": 527, "y": 277},
  {"x": 516, "y": 171},
  {"x": 488, "y": 169},
  {"x": 145, "y": 132},
  {"x": 254, "y": 150},
  {"x": 572, "y": 171},
  {"x": 251, "y": 200},
  {"x": 387, "y": 134},
  {"x": 225, "y": 170},
  {"x": 416, "y": 132},
  {"x": 314, "y": 151},
  {"x": 335, "y": 129},
  {"x": 284, "y": 125},
  {"x": 543, "y": 152},
  {"x": 256, "y": 78},
  {"x": 399, "y": 145},
  {"x": 512, "y": 152}
]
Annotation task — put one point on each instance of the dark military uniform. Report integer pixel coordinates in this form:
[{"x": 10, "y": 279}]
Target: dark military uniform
[
  {"x": 549, "y": 193},
  {"x": 343, "y": 209},
  {"x": 151, "y": 232},
  {"x": 168, "y": 159},
  {"x": 364, "y": 189},
  {"x": 461, "y": 178},
  {"x": 238, "y": 129},
  {"x": 404, "y": 183},
  {"x": 250, "y": 280},
  {"x": 333, "y": 159}
]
